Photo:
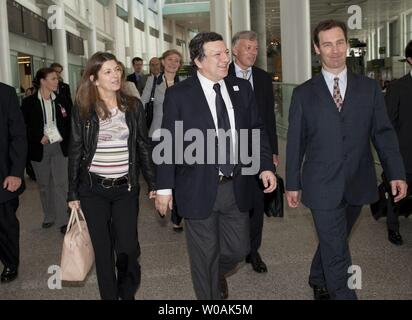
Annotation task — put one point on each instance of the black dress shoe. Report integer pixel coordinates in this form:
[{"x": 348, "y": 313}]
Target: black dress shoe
[
  {"x": 257, "y": 263},
  {"x": 46, "y": 225},
  {"x": 395, "y": 237},
  {"x": 8, "y": 275},
  {"x": 320, "y": 293},
  {"x": 177, "y": 229},
  {"x": 224, "y": 290},
  {"x": 63, "y": 229}
]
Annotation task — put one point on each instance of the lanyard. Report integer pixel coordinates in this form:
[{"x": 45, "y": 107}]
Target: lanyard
[{"x": 45, "y": 113}]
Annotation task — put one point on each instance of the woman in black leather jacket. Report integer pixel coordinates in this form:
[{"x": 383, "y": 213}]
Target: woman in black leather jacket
[{"x": 108, "y": 146}]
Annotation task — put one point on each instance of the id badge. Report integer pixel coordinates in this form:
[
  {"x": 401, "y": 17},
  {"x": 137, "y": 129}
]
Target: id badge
[{"x": 53, "y": 134}]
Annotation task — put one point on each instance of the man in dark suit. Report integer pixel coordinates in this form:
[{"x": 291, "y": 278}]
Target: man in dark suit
[
  {"x": 245, "y": 50},
  {"x": 63, "y": 89},
  {"x": 213, "y": 197},
  {"x": 137, "y": 77},
  {"x": 399, "y": 105},
  {"x": 333, "y": 117},
  {"x": 13, "y": 151}
]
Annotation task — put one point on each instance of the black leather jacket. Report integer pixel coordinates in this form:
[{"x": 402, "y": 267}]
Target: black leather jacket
[{"x": 83, "y": 145}]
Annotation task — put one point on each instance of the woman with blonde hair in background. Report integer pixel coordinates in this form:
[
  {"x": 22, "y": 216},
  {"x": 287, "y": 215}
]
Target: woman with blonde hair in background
[{"x": 155, "y": 90}]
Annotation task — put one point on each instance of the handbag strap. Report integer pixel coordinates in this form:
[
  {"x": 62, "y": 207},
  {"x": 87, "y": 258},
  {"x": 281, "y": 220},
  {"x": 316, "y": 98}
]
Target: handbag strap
[
  {"x": 153, "y": 88},
  {"x": 74, "y": 218}
]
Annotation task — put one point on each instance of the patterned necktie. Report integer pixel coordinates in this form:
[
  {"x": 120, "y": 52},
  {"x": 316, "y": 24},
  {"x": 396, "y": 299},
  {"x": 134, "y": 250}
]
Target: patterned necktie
[
  {"x": 244, "y": 73},
  {"x": 223, "y": 123},
  {"x": 337, "y": 97}
]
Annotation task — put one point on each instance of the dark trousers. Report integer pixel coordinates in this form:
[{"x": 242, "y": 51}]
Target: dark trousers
[
  {"x": 175, "y": 217},
  {"x": 111, "y": 216},
  {"x": 217, "y": 244},
  {"x": 256, "y": 220},
  {"x": 392, "y": 218},
  {"x": 332, "y": 258},
  {"x": 9, "y": 234}
]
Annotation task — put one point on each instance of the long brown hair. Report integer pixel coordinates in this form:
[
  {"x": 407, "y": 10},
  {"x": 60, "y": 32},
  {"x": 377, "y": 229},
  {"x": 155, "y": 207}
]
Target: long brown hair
[{"x": 87, "y": 96}]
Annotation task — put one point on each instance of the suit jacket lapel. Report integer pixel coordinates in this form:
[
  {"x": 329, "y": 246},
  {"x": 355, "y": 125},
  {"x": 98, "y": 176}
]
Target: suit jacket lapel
[
  {"x": 236, "y": 101},
  {"x": 200, "y": 101},
  {"x": 322, "y": 90},
  {"x": 350, "y": 92}
]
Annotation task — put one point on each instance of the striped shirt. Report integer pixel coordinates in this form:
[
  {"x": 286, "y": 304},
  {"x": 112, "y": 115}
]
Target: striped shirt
[{"x": 111, "y": 159}]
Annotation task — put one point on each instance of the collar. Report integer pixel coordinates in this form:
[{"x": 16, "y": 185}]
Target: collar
[
  {"x": 238, "y": 69},
  {"x": 329, "y": 77},
  {"x": 206, "y": 83},
  {"x": 53, "y": 96}
]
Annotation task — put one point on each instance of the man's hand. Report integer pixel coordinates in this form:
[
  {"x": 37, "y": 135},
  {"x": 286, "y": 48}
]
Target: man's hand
[
  {"x": 269, "y": 181},
  {"x": 44, "y": 140},
  {"x": 293, "y": 198},
  {"x": 162, "y": 203},
  {"x": 276, "y": 160},
  {"x": 399, "y": 189},
  {"x": 152, "y": 195},
  {"x": 12, "y": 184}
]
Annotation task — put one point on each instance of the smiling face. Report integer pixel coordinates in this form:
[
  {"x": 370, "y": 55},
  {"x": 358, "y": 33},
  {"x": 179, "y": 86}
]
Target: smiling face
[
  {"x": 171, "y": 63},
  {"x": 245, "y": 52},
  {"x": 109, "y": 77},
  {"x": 332, "y": 50},
  {"x": 215, "y": 63}
]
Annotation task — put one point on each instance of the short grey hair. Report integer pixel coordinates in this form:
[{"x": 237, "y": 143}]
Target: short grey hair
[{"x": 246, "y": 35}]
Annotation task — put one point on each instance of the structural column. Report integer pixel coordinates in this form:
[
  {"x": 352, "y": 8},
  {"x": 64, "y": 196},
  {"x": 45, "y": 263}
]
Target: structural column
[
  {"x": 161, "y": 28},
  {"x": 146, "y": 53},
  {"x": 113, "y": 15},
  {"x": 92, "y": 38},
  {"x": 240, "y": 15},
  {"x": 5, "y": 62},
  {"x": 258, "y": 23},
  {"x": 174, "y": 38},
  {"x": 60, "y": 42},
  {"x": 219, "y": 19},
  {"x": 131, "y": 8},
  {"x": 296, "y": 41}
]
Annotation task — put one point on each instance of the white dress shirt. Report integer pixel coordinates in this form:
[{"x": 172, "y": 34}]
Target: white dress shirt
[
  {"x": 330, "y": 81},
  {"x": 48, "y": 106},
  {"x": 239, "y": 73},
  {"x": 210, "y": 94}
]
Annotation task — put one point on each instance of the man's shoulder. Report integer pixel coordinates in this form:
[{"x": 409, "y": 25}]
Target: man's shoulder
[
  {"x": 233, "y": 80},
  {"x": 4, "y": 88},
  {"x": 261, "y": 73},
  {"x": 181, "y": 87}
]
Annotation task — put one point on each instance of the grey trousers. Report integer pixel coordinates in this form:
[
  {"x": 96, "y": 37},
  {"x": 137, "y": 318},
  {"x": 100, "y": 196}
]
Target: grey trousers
[
  {"x": 217, "y": 244},
  {"x": 52, "y": 179}
]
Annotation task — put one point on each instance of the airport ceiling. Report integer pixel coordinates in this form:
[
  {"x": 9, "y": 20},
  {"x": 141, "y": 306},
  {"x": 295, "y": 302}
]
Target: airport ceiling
[{"x": 374, "y": 13}]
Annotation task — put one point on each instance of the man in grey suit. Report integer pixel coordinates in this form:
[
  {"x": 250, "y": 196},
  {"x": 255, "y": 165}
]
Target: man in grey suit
[
  {"x": 398, "y": 101},
  {"x": 333, "y": 117}
]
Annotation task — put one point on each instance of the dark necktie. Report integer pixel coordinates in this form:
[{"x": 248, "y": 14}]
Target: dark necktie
[
  {"x": 223, "y": 123},
  {"x": 337, "y": 97}
]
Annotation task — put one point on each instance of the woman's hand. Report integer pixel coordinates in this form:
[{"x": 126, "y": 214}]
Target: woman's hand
[
  {"x": 44, "y": 140},
  {"x": 74, "y": 205}
]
